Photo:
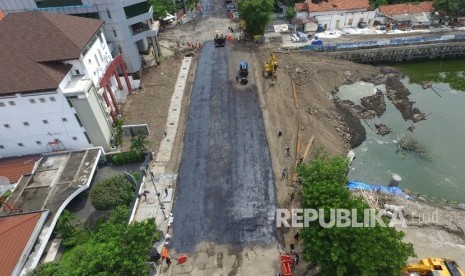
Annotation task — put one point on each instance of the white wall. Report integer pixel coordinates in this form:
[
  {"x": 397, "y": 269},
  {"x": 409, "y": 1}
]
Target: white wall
[
  {"x": 123, "y": 38},
  {"x": 33, "y": 114},
  {"x": 96, "y": 60},
  {"x": 330, "y": 18}
]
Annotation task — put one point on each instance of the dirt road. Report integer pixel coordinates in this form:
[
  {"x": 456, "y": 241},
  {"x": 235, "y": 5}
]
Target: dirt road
[{"x": 225, "y": 191}]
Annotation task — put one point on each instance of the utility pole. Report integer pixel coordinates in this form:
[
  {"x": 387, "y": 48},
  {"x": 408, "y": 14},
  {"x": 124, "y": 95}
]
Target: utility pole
[{"x": 162, "y": 207}]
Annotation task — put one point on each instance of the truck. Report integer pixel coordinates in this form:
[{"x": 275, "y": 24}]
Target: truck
[{"x": 219, "y": 40}]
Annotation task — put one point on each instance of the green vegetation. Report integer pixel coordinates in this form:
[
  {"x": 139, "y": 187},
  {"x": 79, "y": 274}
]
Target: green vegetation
[
  {"x": 256, "y": 14},
  {"x": 345, "y": 250},
  {"x": 66, "y": 228},
  {"x": 161, "y": 8},
  {"x": 139, "y": 143},
  {"x": 127, "y": 157},
  {"x": 113, "y": 248},
  {"x": 290, "y": 13},
  {"x": 118, "y": 132},
  {"x": 453, "y": 8},
  {"x": 111, "y": 193}
]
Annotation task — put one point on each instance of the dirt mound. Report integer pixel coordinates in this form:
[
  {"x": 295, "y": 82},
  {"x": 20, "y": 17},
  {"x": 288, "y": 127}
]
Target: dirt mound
[
  {"x": 398, "y": 94},
  {"x": 375, "y": 102}
]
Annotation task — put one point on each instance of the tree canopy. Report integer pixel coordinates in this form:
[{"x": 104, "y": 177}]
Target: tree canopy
[
  {"x": 256, "y": 14},
  {"x": 115, "y": 248},
  {"x": 346, "y": 250},
  {"x": 112, "y": 192},
  {"x": 453, "y": 8},
  {"x": 161, "y": 8}
]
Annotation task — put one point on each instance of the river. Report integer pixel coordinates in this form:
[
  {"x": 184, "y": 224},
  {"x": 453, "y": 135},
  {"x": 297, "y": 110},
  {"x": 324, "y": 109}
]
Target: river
[{"x": 442, "y": 175}]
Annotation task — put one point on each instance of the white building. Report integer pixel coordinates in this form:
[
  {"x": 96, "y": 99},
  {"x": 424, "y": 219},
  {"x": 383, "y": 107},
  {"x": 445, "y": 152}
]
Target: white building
[
  {"x": 129, "y": 26},
  {"x": 336, "y": 14},
  {"x": 50, "y": 74}
]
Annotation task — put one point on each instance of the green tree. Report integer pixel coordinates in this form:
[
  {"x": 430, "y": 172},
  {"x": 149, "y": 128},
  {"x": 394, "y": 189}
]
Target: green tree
[
  {"x": 377, "y": 3},
  {"x": 161, "y": 8},
  {"x": 139, "y": 143},
  {"x": 118, "y": 132},
  {"x": 256, "y": 14},
  {"x": 115, "y": 249},
  {"x": 66, "y": 228},
  {"x": 345, "y": 250},
  {"x": 111, "y": 193},
  {"x": 453, "y": 8},
  {"x": 290, "y": 13}
]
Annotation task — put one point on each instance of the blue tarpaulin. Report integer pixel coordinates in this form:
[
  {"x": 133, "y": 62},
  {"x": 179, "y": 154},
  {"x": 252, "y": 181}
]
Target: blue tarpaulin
[{"x": 354, "y": 185}]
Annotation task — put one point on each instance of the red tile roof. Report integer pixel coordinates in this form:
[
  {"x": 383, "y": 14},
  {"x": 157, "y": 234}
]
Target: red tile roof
[
  {"x": 337, "y": 5},
  {"x": 33, "y": 44},
  {"x": 301, "y": 7},
  {"x": 406, "y": 8},
  {"x": 15, "y": 232},
  {"x": 1, "y": 15},
  {"x": 14, "y": 168}
]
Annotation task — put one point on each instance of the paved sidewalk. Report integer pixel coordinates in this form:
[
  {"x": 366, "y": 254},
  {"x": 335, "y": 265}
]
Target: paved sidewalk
[{"x": 162, "y": 179}]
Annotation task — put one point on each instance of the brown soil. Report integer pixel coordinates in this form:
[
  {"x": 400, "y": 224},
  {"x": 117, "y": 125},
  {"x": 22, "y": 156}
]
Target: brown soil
[
  {"x": 316, "y": 79},
  {"x": 150, "y": 104},
  {"x": 375, "y": 102}
]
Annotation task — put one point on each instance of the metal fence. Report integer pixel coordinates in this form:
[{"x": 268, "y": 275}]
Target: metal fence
[{"x": 385, "y": 42}]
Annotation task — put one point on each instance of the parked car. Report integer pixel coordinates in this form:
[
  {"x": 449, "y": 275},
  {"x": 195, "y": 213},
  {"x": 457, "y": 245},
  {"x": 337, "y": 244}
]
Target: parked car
[{"x": 362, "y": 25}]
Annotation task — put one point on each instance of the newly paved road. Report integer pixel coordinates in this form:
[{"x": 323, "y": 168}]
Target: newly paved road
[{"x": 225, "y": 191}]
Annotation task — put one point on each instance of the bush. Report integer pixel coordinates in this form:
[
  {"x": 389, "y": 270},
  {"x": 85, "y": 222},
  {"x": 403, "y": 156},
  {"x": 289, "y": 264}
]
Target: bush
[
  {"x": 110, "y": 193},
  {"x": 127, "y": 157}
]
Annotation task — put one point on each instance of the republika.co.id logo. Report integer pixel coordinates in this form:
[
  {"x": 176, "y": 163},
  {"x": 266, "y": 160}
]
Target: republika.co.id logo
[{"x": 328, "y": 218}]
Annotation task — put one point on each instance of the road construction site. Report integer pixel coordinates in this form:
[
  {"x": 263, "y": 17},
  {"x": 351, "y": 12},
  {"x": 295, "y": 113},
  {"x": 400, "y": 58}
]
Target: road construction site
[{"x": 228, "y": 155}]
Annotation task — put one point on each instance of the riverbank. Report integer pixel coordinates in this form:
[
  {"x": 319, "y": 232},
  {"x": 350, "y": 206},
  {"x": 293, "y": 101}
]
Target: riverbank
[
  {"x": 434, "y": 230},
  {"x": 302, "y": 105}
]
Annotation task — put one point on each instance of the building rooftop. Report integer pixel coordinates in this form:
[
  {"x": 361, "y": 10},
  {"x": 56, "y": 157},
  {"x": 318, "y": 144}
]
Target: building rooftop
[
  {"x": 406, "y": 8},
  {"x": 56, "y": 180},
  {"x": 17, "y": 235},
  {"x": 337, "y": 5},
  {"x": 33, "y": 46},
  {"x": 301, "y": 7},
  {"x": 14, "y": 168}
]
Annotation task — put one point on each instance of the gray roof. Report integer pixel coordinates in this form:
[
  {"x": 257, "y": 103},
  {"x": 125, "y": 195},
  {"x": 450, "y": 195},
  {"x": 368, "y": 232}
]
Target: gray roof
[{"x": 33, "y": 44}]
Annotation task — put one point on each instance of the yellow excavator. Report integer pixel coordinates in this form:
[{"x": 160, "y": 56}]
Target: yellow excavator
[
  {"x": 270, "y": 67},
  {"x": 433, "y": 267}
]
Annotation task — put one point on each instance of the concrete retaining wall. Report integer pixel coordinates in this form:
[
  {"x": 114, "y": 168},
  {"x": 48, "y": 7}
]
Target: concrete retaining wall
[{"x": 402, "y": 53}]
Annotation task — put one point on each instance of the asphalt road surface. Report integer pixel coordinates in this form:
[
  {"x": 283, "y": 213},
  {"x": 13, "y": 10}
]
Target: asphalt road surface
[{"x": 225, "y": 191}]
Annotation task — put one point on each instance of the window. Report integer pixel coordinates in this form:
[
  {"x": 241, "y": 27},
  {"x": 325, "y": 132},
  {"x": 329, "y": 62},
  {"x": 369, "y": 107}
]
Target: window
[
  {"x": 108, "y": 14},
  {"x": 79, "y": 120},
  {"x": 32, "y": 101},
  {"x": 6, "y": 125},
  {"x": 90, "y": 61},
  {"x": 100, "y": 55},
  {"x": 25, "y": 123},
  {"x": 64, "y": 119},
  {"x": 2, "y": 104},
  {"x": 21, "y": 144},
  {"x": 120, "y": 50},
  {"x": 38, "y": 142},
  {"x": 2, "y": 147},
  {"x": 11, "y": 103},
  {"x": 42, "y": 100},
  {"x": 45, "y": 121},
  {"x": 77, "y": 72},
  {"x": 114, "y": 33},
  {"x": 96, "y": 60},
  {"x": 52, "y": 99},
  {"x": 100, "y": 36},
  {"x": 87, "y": 137},
  {"x": 74, "y": 138}
]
